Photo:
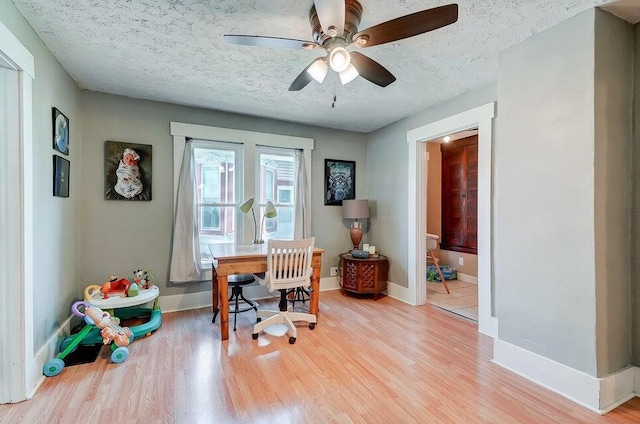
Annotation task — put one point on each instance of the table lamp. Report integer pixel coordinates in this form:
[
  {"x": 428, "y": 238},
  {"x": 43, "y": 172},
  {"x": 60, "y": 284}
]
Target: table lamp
[
  {"x": 269, "y": 212},
  {"x": 355, "y": 209},
  {"x": 245, "y": 207}
]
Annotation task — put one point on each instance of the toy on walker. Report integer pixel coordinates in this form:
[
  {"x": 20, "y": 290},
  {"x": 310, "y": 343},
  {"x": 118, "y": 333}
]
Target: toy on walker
[{"x": 110, "y": 330}]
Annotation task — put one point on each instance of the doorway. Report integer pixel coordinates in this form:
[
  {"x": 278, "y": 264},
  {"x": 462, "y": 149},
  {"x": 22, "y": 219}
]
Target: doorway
[
  {"x": 452, "y": 202},
  {"x": 482, "y": 118},
  {"x": 17, "y": 374}
]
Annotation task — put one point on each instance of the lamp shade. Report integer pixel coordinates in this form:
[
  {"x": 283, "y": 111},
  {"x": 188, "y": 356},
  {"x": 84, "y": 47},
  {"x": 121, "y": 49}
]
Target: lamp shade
[
  {"x": 318, "y": 69},
  {"x": 355, "y": 209},
  {"x": 270, "y": 210},
  {"x": 348, "y": 74},
  {"x": 246, "y": 206}
]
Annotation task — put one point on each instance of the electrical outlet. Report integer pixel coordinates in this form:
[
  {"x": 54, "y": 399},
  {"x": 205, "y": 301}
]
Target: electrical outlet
[
  {"x": 460, "y": 261},
  {"x": 334, "y": 271}
]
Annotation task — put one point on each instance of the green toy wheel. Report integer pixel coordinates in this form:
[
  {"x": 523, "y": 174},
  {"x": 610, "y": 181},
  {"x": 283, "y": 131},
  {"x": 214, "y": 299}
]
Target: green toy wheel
[
  {"x": 53, "y": 367},
  {"x": 120, "y": 355}
]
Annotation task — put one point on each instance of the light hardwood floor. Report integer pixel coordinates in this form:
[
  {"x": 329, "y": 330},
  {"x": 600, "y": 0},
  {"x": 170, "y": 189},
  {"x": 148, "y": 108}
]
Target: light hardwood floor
[
  {"x": 462, "y": 299},
  {"x": 366, "y": 361}
]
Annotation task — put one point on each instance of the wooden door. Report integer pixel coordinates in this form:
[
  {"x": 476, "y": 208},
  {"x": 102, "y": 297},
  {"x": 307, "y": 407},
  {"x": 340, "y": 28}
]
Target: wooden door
[{"x": 460, "y": 195}]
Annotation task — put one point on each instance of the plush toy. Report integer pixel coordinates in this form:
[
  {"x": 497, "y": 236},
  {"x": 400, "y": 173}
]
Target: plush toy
[{"x": 144, "y": 278}]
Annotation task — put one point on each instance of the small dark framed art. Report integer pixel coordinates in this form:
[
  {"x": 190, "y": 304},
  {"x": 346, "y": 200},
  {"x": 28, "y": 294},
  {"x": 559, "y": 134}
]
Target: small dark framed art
[
  {"x": 339, "y": 181},
  {"x": 60, "y": 176},
  {"x": 60, "y": 131}
]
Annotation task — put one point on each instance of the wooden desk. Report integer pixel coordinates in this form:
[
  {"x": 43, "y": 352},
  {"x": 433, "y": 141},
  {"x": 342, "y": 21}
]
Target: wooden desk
[{"x": 248, "y": 259}]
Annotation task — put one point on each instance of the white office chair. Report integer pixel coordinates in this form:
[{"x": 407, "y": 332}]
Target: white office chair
[{"x": 288, "y": 267}]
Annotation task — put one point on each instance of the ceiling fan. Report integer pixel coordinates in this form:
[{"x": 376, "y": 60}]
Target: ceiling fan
[{"x": 334, "y": 25}]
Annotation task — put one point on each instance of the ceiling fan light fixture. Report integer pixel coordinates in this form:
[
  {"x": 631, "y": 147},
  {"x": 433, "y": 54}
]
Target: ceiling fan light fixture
[
  {"x": 348, "y": 74},
  {"x": 318, "y": 70},
  {"x": 339, "y": 59}
]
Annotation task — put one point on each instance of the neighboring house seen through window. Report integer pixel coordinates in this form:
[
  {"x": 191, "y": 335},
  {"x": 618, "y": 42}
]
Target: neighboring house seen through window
[{"x": 215, "y": 170}]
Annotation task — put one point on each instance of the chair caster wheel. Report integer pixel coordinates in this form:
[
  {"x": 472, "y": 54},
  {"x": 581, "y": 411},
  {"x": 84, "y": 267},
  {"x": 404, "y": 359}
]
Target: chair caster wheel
[
  {"x": 254, "y": 336},
  {"x": 258, "y": 319},
  {"x": 312, "y": 325},
  {"x": 292, "y": 340}
]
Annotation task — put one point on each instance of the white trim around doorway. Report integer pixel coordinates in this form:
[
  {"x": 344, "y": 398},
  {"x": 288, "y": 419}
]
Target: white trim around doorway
[
  {"x": 18, "y": 370},
  {"x": 481, "y": 118}
]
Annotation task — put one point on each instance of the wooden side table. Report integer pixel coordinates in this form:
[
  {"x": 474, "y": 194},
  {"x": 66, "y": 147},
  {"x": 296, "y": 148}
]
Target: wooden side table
[{"x": 364, "y": 275}]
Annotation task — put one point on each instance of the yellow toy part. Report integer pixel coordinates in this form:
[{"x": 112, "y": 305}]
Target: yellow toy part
[{"x": 90, "y": 291}]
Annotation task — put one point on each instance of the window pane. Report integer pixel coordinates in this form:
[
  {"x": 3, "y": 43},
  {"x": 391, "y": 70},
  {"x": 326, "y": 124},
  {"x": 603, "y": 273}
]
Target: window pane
[
  {"x": 216, "y": 196},
  {"x": 211, "y": 228},
  {"x": 277, "y": 184}
]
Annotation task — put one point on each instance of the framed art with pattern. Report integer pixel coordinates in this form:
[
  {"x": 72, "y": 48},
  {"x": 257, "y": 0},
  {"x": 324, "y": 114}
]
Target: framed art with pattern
[
  {"x": 60, "y": 131},
  {"x": 339, "y": 181}
]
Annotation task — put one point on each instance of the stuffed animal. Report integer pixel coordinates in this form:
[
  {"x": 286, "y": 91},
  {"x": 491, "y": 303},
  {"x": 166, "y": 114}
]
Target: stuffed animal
[{"x": 144, "y": 278}]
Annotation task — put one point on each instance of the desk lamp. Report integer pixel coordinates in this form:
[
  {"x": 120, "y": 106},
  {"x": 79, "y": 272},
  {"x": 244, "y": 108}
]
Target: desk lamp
[
  {"x": 355, "y": 209},
  {"x": 269, "y": 212},
  {"x": 245, "y": 207}
]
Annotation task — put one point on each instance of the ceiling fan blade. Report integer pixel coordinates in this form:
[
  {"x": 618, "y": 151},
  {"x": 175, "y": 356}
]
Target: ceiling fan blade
[
  {"x": 275, "y": 42},
  {"x": 302, "y": 80},
  {"x": 331, "y": 14},
  {"x": 371, "y": 70},
  {"x": 407, "y": 26}
]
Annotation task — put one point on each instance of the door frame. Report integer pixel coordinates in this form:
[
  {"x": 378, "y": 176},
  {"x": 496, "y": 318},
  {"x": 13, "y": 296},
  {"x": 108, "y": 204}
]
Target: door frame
[
  {"x": 481, "y": 118},
  {"x": 16, "y": 315}
]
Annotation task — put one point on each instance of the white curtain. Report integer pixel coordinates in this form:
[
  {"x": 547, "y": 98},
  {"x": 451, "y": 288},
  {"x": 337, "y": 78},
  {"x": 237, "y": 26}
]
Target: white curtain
[
  {"x": 185, "y": 248},
  {"x": 302, "y": 224}
]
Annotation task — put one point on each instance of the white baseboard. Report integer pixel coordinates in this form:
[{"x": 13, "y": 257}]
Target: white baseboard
[
  {"x": 600, "y": 395},
  {"x": 467, "y": 278},
  {"x": 46, "y": 353},
  {"x": 398, "y": 292},
  {"x": 330, "y": 283}
]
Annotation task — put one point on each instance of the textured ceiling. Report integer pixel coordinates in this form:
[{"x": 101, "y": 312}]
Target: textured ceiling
[{"x": 173, "y": 51}]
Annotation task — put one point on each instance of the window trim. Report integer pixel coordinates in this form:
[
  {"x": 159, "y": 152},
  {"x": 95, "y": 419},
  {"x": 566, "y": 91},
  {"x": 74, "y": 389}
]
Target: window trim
[{"x": 249, "y": 140}]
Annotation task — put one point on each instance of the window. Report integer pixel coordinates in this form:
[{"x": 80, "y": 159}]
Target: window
[
  {"x": 277, "y": 175},
  {"x": 216, "y": 189},
  {"x": 236, "y": 166}
]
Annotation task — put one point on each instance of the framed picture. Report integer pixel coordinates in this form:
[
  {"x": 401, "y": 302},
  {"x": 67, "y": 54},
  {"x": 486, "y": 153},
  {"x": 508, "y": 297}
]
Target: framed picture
[
  {"x": 339, "y": 181},
  {"x": 127, "y": 171},
  {"x": 60, "y": 176},
  {"x": 60, "y": 131}
]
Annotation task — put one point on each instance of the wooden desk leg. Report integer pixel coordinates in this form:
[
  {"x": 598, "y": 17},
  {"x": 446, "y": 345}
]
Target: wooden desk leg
[
  {"x": 223, "y": 287},
  {"x": 215, "y": 294},
  {"x": 315, "y": 291}
]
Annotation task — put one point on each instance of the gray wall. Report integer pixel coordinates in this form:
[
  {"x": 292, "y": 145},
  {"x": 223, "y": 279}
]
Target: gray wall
[
  {"x": 56, "y": 229},
  {"x": 613, "y": 188},
  {"x": 635, "y": 222},
  {"x": 120, "y": 236},
  {"x": 544, "y": 197},
  {"x": 387, "y": 162},
  {"x": 563, "y": 184}
]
